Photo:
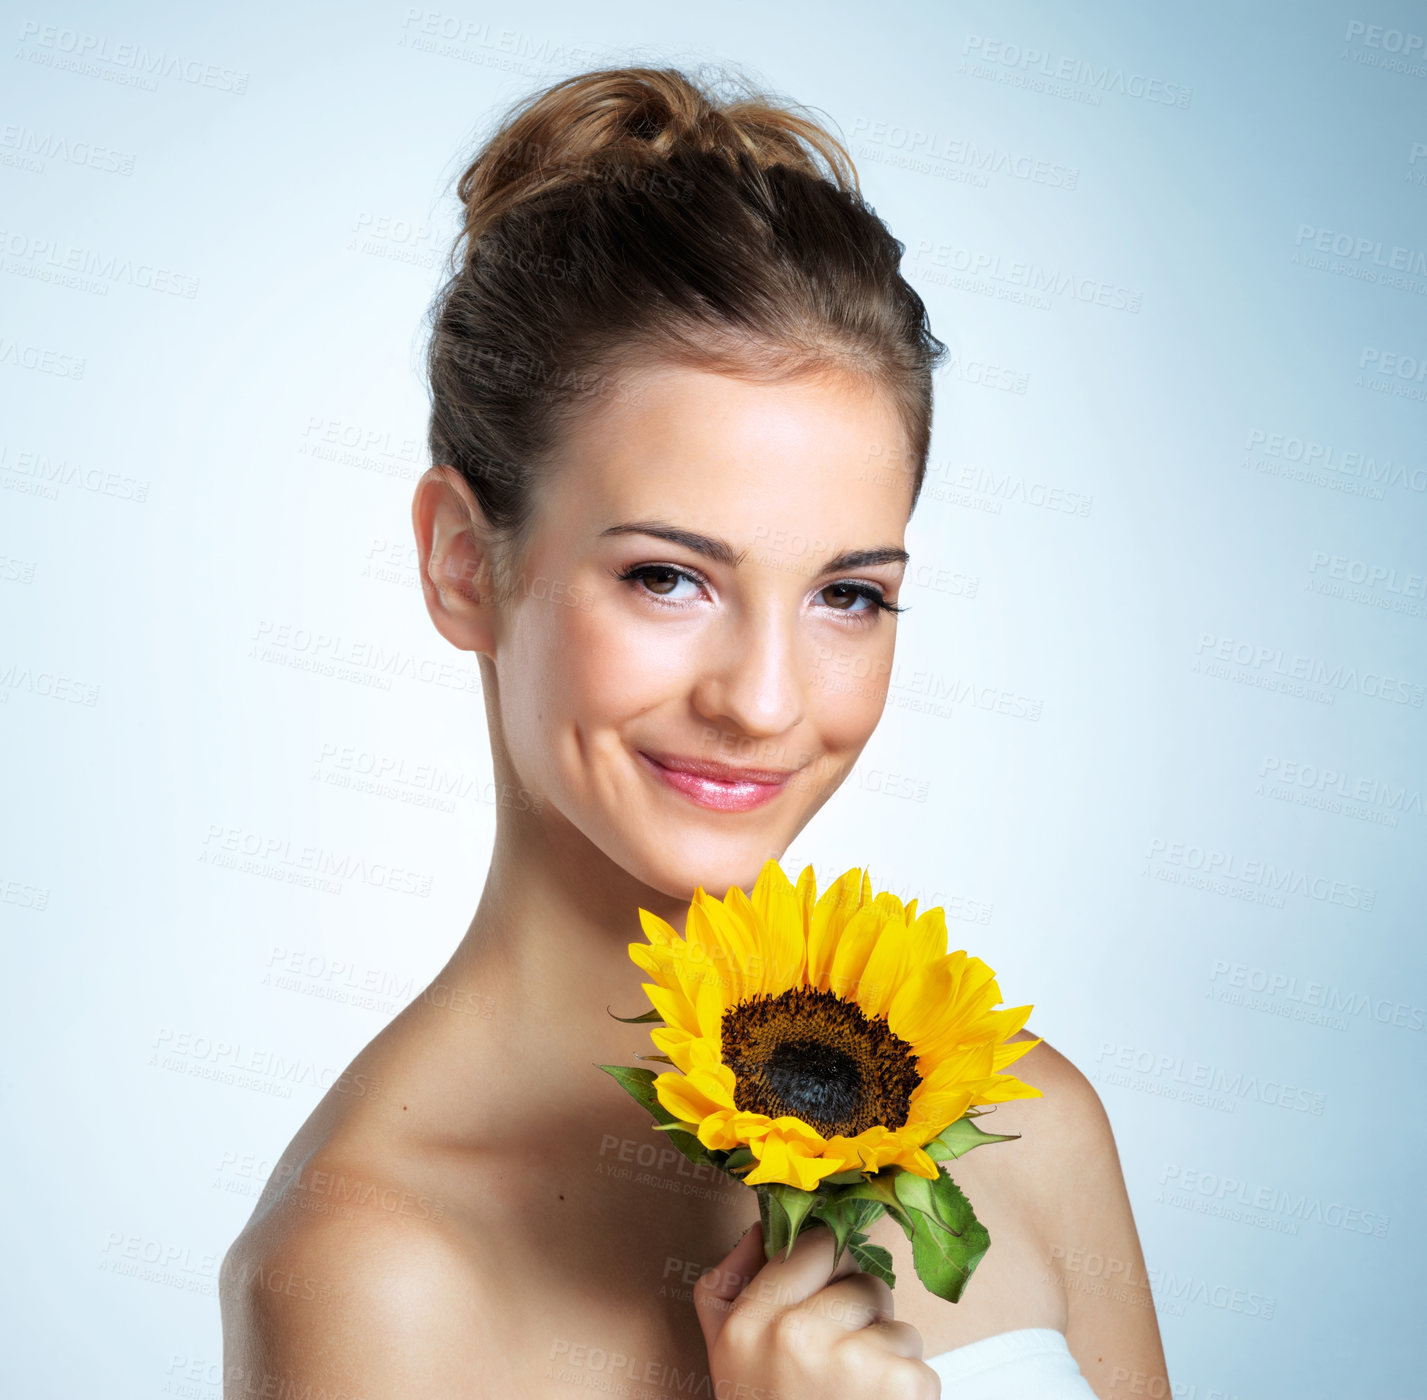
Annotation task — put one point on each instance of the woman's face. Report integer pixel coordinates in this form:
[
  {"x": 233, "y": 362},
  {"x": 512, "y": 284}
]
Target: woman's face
[{"x": 696, "y": 653}]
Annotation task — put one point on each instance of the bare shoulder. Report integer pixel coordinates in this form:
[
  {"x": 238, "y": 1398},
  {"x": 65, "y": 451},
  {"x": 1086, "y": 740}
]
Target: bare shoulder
[
  {"x": 366, "y": 1299},
  {"x": 1067, "y": 1115},
  {"x": 1092, "y": 1244},
  {"x": 1063, "y": 1131}
]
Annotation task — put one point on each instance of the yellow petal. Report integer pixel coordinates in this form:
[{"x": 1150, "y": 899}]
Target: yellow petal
[
  {"x": 853, "y": 949},
  {"x": 931, "y": 923},
  {"x": 837, "y": 904},
  {"x": 690, "y": 1098},
  {"x": 659, "y": 933},
  {"x": 657, "y": 962},
  {"x": 677, "y": 1045},
  {"x": 920, "y": 1164},
  {"x": 959, "y": 1064},
  {"x": 673, "y": 1006},
  {"x": 919, "y": 1007},
  {"x": 772, "y": 1155},
  {"x": 710, "y": 1007},
  {"x": 1005, "y": 1087},
  {"x": 794, "y": 1129},
  {"x": 751, "y": 979},
  {"x": 777, "y": 912},
  {"x": 811, "y": 1170},
  {"x": 807, "y": 895},
  {"x": 939, "y": 1109},
  {"x": 900, "y": 952},
  {"x": 890, "y": 904},
  {"x": 716, "y": 946},
  {"x": 720, "y": 1131},
  {"x": 1013, "y": 1050},
  {"x": 1009, "y": 1021}
]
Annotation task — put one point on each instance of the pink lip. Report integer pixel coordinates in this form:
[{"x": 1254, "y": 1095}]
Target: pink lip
[{"x": 717, "y": 785}]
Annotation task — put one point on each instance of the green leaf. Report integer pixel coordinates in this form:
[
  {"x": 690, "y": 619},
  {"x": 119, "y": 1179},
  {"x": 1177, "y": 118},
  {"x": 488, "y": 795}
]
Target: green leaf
[
  {"x": 782, "y": 1209},
  {"x": 947, "y": 1239},
  {"x": 687, "y": 1143},
  {"x": 639, "y": 1085},
  {"x": 873, "y": 1259},
  {"x": 880, "y": 1187},
  {"x": 661, "y": 1059},
  {"x": 845, "y": 1216},
  {"x": 848, "y": 1178},
  {"x": 738, "y": 1159},
  {"x": 651, "y": 1015},
  {"x": 958, "y": 1139}
]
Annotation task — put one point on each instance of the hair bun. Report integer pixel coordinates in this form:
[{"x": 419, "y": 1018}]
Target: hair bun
[
  {"x": 637, "y": 216},
  {"x": 589, "y": 126}
]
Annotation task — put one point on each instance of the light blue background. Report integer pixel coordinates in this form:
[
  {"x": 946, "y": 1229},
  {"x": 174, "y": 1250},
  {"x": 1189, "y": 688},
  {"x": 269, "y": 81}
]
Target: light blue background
[{"x": 172, "y": 507}]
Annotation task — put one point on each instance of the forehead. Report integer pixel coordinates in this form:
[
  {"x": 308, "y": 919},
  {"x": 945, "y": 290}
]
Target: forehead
[{"x": 735, "y": 453}]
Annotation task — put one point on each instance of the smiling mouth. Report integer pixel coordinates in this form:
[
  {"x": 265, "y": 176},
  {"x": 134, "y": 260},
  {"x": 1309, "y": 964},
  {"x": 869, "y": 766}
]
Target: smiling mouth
[{"x": 717, "y": 785}]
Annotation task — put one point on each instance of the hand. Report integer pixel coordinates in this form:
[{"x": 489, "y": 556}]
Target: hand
[{"x": 800, "y": 1329}]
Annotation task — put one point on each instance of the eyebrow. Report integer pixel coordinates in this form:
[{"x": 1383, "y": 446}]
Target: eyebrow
[{"x": 724, "y": 553}]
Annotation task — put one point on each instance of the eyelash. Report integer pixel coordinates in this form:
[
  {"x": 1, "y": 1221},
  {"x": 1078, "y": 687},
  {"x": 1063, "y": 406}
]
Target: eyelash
[{"x": 863, "y": 590}]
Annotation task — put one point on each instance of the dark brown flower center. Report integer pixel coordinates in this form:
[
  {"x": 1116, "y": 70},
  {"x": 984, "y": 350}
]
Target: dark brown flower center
[{"x": 819, "y": 1058}]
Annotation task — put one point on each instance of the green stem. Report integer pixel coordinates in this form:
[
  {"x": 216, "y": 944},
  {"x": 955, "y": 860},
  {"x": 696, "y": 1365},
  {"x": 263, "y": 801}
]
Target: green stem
[{"x": 763, "y": 1221}]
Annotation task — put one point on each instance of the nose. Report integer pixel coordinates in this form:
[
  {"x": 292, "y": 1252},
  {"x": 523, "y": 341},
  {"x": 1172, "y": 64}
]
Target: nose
[{"x": 754, "y": 681}]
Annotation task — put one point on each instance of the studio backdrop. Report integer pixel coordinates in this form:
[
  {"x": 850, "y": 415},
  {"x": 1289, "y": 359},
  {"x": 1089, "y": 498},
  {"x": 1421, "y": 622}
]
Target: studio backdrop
[{"x": 1154, "y": 737}]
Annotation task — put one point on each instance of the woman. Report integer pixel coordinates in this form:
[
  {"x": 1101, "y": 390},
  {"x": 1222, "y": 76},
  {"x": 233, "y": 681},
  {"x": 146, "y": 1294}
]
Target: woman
[{"x": 681, "y": 407}]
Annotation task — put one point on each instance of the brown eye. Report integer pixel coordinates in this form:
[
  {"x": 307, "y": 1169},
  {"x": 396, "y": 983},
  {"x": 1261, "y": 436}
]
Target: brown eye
[
  {"x": 660, "y": 580},
  {"x": 846, "y": 596}
]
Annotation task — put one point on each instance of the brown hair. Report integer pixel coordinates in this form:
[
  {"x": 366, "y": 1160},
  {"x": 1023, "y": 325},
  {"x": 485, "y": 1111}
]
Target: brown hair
[{"x": 631, "y": 216}]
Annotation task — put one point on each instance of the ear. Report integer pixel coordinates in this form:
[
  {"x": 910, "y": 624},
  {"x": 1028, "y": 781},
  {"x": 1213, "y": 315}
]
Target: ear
[{"x": 454, "y": 555}]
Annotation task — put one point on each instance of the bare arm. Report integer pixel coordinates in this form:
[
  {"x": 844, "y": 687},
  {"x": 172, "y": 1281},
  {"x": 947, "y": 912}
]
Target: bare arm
[
  {"x": 1112, "y": 1329},
  {"x": 364, "y": 1308}
]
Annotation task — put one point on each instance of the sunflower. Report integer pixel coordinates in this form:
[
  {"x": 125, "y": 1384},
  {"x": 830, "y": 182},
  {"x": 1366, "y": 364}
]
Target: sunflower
[{"x": 825, "y": 1035}]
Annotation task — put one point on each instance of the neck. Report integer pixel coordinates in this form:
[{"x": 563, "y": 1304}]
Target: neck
[
  {"x": 554, "y": 925},
  {"x": 550, "y": 937},
  {"x": 541, "y": 968}
]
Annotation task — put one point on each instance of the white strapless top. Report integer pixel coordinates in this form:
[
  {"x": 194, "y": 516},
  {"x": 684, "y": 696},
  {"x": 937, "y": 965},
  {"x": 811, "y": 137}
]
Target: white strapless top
[{"x": 1031, "y": 1363}]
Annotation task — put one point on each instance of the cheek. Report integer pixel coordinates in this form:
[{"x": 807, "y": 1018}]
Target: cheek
[
  {"x": 582, "y": 672},
  {"x": 617, "y": 665},
  {"x": 847, "y": 690}
]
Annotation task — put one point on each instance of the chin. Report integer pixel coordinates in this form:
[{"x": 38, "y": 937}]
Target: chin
[{"x": 717, "y": 863}]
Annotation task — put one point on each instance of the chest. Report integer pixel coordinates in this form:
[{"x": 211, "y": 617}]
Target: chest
[
  {"x": 598, "y": 1253},
  {"x": 1015, "y": 1285},
  {"x": 604, "y": 1260}
]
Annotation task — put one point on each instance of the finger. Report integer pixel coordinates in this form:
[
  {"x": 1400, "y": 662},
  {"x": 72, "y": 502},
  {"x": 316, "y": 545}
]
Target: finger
[
  {"x": 900, "y": 1338},
  {"x": 850, "y": 1304},
  {"x": 867, "y": 1286},
  {"x": 717, "y": 1287},
  {"x": 783, "y": 1283}
]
